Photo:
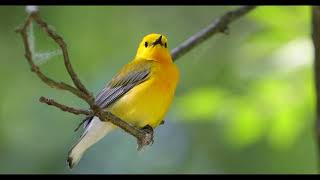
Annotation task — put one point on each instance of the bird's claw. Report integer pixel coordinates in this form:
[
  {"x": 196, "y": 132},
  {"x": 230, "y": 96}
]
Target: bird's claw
[{"x": 148, "y": 138}]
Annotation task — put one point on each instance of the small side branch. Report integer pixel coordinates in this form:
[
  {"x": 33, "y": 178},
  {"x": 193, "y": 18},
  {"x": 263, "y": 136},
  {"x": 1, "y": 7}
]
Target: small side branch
[
  {"x": 65, "y": 108},
  {"x": 34, "y": 68},
  {"x": 58, "y": 39}
]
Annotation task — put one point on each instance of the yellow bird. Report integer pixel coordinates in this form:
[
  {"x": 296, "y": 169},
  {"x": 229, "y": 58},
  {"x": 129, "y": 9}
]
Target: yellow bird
[{"x": 140, "y": 93}]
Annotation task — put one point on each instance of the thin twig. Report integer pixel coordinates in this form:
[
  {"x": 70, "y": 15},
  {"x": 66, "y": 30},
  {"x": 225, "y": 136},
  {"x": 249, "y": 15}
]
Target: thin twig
[
  {"x": 58, "y": 39},
  {"x": 316, "y": 42},
  {"x": 144, "y": 138},
  {"x": 65, "y": 108},
  {"x": 34, "y": 68},
  {"x": 218, "y": 25}
]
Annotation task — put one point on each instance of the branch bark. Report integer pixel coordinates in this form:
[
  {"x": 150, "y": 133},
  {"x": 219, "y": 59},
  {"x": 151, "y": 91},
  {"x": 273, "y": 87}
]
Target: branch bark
[
  {"x": 65, "y": 108},
  {"x": 34, "y": 68},
  {"x": 316, "y": 42},
  {"x": 218, "y": 25},
  {"x": 58, "y": 39}
]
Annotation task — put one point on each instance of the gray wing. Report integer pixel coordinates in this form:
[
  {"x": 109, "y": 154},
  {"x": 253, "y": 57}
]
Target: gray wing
[
  {"x": 118, "y": 87},
  {"x": 121, "y": 84}
]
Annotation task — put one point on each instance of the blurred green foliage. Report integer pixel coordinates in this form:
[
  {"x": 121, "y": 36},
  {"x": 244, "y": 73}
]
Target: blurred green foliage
[{"x": 245, "y": 102}]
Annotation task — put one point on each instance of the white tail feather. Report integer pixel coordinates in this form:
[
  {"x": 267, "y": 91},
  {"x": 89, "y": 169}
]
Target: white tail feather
[{"x": 95, "y": 131}]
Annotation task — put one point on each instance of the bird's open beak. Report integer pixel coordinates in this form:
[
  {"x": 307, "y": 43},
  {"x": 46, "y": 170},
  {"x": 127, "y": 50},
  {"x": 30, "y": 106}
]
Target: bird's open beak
[{"x": 158, "y": 41}]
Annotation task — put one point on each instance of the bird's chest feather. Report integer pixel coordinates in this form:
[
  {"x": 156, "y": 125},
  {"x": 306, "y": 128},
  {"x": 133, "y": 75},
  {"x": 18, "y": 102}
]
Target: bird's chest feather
[{"x": 147, "y": 103}]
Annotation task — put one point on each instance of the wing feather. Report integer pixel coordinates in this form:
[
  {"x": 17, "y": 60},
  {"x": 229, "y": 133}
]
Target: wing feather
[{"x": 130, "y": 76}]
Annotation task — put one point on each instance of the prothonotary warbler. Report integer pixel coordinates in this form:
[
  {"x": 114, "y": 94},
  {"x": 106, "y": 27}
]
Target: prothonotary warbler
[{"x": 140, "y": 93}]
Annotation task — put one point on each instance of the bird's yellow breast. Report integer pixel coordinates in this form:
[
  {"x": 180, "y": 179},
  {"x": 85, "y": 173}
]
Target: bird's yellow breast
[{"x": 148, "y": 102}]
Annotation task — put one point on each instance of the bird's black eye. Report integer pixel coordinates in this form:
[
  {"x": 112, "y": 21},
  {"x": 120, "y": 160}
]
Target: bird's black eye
[
  {"x": 165, "y": 45},
  {"x": 146, "y": 44}
]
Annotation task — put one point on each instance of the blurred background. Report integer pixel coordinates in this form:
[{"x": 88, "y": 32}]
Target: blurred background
[{"x": 245, "y": 102}]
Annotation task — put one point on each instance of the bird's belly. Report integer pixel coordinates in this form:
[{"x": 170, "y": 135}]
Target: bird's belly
[{"x": 145, "y": 104}]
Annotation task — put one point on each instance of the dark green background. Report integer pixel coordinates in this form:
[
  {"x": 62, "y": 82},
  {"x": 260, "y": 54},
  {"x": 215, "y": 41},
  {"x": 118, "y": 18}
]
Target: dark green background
[{"x": 245, "y": 101}]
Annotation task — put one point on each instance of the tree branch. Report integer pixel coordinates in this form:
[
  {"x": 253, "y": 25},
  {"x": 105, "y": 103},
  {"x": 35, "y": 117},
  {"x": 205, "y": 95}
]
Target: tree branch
[
  {"x": 34, "y": 68},
  {"x": 316, "y": 42},
  {"x": 142, "y": 137},
  {"x": 218, "y": 25},
  {"x": 58, "y": 39},
  {"x": 65, "y": 108}
]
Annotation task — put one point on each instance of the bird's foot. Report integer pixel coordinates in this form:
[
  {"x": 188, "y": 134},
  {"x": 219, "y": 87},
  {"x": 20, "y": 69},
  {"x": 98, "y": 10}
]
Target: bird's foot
[
  {"x": 147, "y": 129},
  {"x": 148, "y": 137},
  {"x": 162, "y": 122}
]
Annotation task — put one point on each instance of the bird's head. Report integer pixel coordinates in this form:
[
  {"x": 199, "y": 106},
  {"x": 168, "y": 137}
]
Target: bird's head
[{"x": 154, "y": 47}]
